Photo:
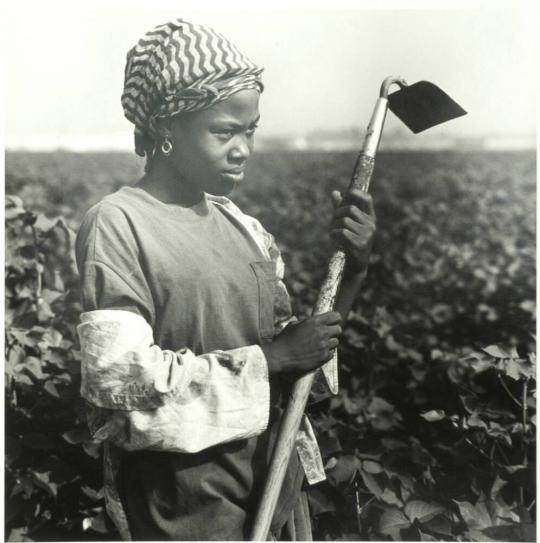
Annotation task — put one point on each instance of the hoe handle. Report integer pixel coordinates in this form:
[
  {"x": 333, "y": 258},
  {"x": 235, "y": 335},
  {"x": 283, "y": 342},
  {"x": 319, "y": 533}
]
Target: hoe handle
[
  {"x": 296, "y": 406},
  {"x": 300, "y": 393}
]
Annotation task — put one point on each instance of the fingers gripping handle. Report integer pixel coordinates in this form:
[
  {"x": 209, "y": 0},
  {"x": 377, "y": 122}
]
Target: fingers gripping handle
[{"x": 361, "y": 178}]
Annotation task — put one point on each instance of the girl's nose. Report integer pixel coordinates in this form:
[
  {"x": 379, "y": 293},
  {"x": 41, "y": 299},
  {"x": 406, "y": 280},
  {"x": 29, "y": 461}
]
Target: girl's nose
[{"x": 241, "y": 149}]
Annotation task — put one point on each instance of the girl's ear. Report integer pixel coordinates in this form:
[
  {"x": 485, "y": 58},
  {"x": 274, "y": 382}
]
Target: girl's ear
[{"x": 163, "y": 127}]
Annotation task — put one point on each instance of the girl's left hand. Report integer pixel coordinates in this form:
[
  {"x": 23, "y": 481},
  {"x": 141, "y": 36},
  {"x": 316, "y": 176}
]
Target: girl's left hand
[{"x": 353, "y": 227}]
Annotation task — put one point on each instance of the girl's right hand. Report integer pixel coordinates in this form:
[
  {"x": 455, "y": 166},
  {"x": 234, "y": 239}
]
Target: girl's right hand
[{"x": 304, "y": 346}]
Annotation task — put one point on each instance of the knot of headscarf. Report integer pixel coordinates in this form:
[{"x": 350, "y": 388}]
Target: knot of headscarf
[{"x": 180, "y": 67}]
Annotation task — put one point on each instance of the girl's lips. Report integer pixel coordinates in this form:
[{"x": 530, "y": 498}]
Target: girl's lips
[{"x": 234, "y": 175}]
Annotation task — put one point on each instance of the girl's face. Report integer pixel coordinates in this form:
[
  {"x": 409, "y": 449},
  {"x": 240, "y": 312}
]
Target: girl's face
[{"x": 211, "y": 147}]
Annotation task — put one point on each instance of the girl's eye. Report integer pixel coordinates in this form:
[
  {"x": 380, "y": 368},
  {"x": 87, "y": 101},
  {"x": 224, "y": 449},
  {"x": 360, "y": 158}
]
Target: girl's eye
[
  {"x": 252, "y": 130},
  {"x": 224, "y": 133},
  {"x": 228, "y": 133}
]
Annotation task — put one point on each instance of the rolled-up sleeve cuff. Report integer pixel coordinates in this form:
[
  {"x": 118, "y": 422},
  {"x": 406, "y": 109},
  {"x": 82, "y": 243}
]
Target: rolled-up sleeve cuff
[
  {"x": 227, "y": 399},
  {"x": 142, "y": 397}
]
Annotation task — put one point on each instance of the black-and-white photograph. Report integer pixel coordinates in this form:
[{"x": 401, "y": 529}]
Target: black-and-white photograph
[{"x": 270, "y": 271}]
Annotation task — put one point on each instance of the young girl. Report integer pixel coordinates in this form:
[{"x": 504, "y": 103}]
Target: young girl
[{"x": 188, "y": 342}]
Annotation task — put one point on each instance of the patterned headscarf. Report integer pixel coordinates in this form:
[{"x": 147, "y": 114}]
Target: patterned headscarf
[{"x": 179, "y": 67}]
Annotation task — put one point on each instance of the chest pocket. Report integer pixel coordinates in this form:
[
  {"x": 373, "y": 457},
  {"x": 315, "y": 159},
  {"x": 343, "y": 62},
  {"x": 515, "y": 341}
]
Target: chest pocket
[{"x": 265, "y": 273}]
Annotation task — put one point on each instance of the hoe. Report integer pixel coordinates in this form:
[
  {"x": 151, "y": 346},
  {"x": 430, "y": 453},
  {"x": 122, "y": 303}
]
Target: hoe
[{"x": 419, "y": 106}]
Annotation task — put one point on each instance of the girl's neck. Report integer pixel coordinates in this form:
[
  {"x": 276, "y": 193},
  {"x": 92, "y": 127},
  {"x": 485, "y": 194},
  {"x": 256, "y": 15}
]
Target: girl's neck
[{"x": 163, "y": 183}]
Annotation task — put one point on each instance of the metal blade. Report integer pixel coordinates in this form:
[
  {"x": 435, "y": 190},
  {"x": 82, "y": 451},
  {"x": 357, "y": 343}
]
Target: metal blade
[{"x": 423, "y": 105}]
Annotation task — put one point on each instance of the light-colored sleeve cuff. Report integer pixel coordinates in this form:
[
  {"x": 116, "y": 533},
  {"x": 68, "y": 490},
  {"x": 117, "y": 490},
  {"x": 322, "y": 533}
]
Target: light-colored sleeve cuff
[
  {"x": 227, "y": 399},
  {"x": 141, "y": 397}
]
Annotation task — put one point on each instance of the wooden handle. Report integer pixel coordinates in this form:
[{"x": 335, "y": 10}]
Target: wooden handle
[
  {"x": 297, "y": 403},
  {"x": 363, "y": 170}
]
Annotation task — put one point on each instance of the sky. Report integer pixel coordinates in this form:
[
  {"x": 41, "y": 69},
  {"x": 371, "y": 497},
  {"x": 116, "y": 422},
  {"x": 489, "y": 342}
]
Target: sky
[{"x": 323, "y": 65}]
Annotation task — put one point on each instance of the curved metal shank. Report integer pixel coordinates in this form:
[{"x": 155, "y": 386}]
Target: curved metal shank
[{"x": 388, "y": 82}]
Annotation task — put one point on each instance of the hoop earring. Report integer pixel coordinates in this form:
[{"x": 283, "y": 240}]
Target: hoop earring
[{"x": 166, "y": 147}]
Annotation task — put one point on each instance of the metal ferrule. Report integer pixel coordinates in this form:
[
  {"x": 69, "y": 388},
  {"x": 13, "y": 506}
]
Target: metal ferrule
[{"x": 374, "y": 129}]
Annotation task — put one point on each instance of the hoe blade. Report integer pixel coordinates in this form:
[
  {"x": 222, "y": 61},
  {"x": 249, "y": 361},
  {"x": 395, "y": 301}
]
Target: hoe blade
[{"x": 423, "y": 105}]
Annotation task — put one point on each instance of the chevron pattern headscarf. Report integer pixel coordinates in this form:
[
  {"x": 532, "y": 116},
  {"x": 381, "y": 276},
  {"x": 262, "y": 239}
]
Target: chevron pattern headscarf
[{"x": 179, "y": 67}]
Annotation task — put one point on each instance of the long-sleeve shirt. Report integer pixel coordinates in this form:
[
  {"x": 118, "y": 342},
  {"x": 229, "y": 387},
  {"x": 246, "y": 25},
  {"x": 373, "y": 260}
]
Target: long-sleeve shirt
[{"x": 178, "y": 301}]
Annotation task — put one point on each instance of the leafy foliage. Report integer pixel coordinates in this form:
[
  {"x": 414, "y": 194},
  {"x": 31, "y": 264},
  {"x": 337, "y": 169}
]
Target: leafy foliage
[
  {"x": 53, "y": 476},
  {"x": 432, "y": 435}
]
